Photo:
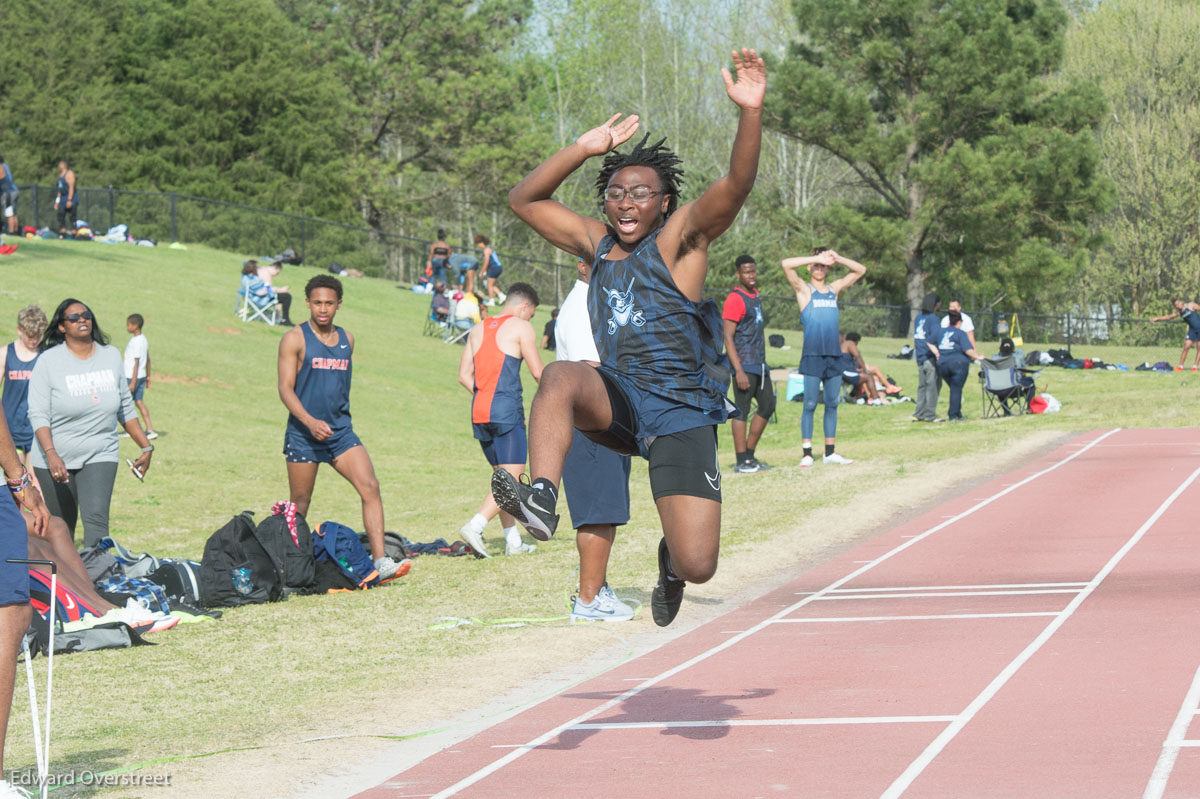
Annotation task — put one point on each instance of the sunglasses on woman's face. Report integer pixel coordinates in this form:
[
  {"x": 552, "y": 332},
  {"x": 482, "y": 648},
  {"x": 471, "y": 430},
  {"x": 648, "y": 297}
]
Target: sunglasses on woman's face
[{"x": 75, "y": 317}]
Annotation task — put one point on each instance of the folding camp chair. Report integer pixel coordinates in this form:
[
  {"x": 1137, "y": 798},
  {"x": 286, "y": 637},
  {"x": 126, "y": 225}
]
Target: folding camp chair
[
  {"x": 453, "y": 334},
  {"x": 249, "y": 308},
  {"x": 1006, "y": 389}
]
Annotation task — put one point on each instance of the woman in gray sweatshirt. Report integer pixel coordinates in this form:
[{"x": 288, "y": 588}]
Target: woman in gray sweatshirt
[{"x": 77, "y": 395}]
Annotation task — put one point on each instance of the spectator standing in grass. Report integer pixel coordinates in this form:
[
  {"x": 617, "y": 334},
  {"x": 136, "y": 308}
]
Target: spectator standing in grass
[
  {"x": 14, "y": 580},
  {"x": 8, "y": 196},
  {"x": 491, "y": 270},
  {"x": 437, "y": 266},
  {"x": 1189, "y": 312},
  {"x": 955, "y": 354},
  {"x": 595, "y": 478},
  {"x": 925, "y": 350},
  {"x": 66, "y": 201},
  {"x": 968, "y": 326},
  {"x": 746, "y": 346},
  {"x": 549, "y": 341},
  {"x": 19, "y": 359},
  {"x": 77, "y": 396},
  {"x": 821, "y": 358},
  {"x": 464, "y": 266},
  {"x": 491, "y": 370},
  {"x": 315, "y": 366},
  {"x": 137, "y": 368}
]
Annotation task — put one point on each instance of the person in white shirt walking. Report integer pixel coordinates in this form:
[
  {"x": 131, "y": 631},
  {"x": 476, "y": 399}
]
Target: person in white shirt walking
[{"x": 137, "y": 368}]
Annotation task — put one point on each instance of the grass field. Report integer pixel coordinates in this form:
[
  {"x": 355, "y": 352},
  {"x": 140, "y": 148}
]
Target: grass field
[{"x": 379, "y": 662}]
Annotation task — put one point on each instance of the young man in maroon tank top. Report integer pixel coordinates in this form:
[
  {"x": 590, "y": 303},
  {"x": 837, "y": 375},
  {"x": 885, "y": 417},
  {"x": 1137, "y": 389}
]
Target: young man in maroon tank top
[
  {"x": 491, "y": 370},
  {"x": 314, "y": 384}
]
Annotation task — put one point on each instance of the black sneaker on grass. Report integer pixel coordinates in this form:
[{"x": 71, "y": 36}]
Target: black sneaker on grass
[
  {"x": 534, "y": 509},
  {"x": 668, "y": 594}
]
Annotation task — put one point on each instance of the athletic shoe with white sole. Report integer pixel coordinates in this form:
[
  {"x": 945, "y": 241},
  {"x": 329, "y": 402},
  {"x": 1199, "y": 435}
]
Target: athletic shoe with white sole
[
  {"x": 150, "y": 434},
  {"x": 474, "y": 541},
  {"x": 389, "y": 568},
  {"x": 668, "y": 593},
  {"x": 806, "y": 461},
  {"x": 836, "y": 458},
  {"x": 604, "y": 607},
  {"x": 533, "y": 508},
  {"x": 519, "y": 549},
  {"x": 135, "y": 614},
  {"x": 747, "y": 467}
]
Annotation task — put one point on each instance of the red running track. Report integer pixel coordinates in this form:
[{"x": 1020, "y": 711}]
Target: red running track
[{"x": 1035, "y": 637}]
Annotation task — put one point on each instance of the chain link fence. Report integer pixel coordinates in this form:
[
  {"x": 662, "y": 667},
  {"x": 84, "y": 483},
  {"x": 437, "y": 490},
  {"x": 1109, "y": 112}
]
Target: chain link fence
[{"x": 171, "y": 216}]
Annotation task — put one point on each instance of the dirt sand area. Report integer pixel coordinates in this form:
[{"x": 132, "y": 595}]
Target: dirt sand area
[{"x": 539, "y": 661}]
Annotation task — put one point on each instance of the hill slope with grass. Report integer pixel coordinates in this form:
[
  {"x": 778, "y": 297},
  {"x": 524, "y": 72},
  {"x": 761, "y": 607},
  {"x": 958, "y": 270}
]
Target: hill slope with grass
[{"x": 381, "y": 662}]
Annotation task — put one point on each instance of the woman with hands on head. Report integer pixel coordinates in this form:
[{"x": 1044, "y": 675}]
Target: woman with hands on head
[{"x": 77, "y": 396}]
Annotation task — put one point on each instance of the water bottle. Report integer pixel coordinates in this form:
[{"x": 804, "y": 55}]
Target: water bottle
[{"x": 242, "y": 582}]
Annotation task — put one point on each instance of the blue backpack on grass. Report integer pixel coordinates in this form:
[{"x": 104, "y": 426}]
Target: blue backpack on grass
[{"x": 342, "y": 563}]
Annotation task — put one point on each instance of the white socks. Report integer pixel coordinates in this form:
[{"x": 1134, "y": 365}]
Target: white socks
[
  {"x": 512, "y": 536},
  {"x": 477, "y": 523}
]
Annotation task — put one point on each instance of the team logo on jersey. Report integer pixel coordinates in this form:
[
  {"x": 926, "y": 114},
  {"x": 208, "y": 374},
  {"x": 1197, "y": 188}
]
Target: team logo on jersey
[
  {"x": 758, "y": 317},
  {"x": 623, "y": 312},
  {"x": 947, "y": 342}
]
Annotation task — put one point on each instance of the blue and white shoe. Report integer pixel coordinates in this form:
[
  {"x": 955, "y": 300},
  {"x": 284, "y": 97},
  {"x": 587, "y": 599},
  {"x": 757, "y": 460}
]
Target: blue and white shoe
[{"x": 605, "y": 607}]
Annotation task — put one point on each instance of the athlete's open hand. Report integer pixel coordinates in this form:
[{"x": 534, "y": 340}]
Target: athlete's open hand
[
  {"x": 610, "y": 135},
  {"x": 751, "y": 85}
]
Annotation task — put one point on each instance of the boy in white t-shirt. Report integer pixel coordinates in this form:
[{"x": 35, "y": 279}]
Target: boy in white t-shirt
[{"x": 137, "y": 368}]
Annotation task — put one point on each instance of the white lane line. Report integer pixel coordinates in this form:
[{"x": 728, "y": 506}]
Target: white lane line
[
  {"x": 924, "y": 594},
  {"x": 834, "y": 619},
  {"x": 915, "y": 768},
  {"x": 1175, "y": 739},
  {"x": 496, "y": 765},
  {"x": 818, "y": 722},
  {"x": 990, "y": 586}
]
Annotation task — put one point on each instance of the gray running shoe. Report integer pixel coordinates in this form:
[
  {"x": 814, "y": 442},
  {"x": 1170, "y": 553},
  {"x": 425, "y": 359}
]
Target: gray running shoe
[
  {"x": 389, "y": 568},
  {"x": 605, "y": 607},
  {"x": 534, "y": 509}
]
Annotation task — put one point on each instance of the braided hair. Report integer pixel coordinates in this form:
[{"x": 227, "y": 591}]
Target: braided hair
[{"x": 664, "y": 162}]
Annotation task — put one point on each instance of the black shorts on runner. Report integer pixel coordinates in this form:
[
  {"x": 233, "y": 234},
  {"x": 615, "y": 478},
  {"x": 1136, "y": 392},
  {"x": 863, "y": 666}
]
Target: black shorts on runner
[
  {"x": 761, "y": 392},
  {"x": 686, "y": 464}
]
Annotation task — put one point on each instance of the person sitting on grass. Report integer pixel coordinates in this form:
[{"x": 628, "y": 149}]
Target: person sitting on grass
[
  {"x": 856, "y": 372},
  {"x": 1189, "y": 312},
  {"x": 661, "y": 384}
]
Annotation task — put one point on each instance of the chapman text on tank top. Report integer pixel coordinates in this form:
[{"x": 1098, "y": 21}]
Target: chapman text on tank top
[
  {"x": 498, "y": 399},
  {"x": 323, "y": 380},
  {"x": 1192, "y": 318},
  {"x": 7, "y": 184},
  {"x": 820, "y": 320},
  {"x": 748, "y": 338},
  {"x": 15, "y": 398},
  {"x": 651, "y": 334}
]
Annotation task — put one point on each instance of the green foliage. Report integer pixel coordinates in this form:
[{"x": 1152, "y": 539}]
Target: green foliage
[
  {"x": 220, "y": 98},
  {"x": 967, "y": 161},
  {"x": 1145, "y": 59}
]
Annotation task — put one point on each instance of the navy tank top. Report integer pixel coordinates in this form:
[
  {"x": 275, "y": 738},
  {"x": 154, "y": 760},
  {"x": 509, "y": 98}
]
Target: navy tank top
[
  {"x": 7, "y": 184},
  {"x": 15, "y": 398},
  {"x": 748, "y": 338},
  {"x": 1191, "y": 317},
  {"x": 648, "y": 331},
  {"x": 64, "y": 190},
  {"x": 820, "y": 320},
  {"x": 323, "y": 382}
]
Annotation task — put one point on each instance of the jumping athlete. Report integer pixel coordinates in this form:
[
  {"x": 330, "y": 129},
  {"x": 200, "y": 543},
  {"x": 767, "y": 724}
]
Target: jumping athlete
[
  {"x": 595, "y": 478},
  {"x": 746, "y": 346},
  {"x": 821, "y": 358},
  {"x": 314, "y": 383},
  {"x": 491, "y": 370},
  {"x": 1189, "y": 312},
  {"x": 660, "y": 388}
]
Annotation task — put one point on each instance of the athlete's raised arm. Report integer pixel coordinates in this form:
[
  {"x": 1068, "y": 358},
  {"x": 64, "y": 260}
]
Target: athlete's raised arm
[
  {"x": 291, "y": 350},
  {"x": 697, "y": 223},
  {"x": 531, "y": 199},
  {"x": 856, "y": 272}
]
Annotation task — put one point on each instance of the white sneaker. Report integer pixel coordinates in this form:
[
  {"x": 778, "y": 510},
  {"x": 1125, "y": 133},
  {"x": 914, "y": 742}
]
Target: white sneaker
[
  {"x": 389, "y": 568},
  {"x": 878, "y": 401},
  {"x": 605, "y": 607},
  {"x": 519, "y": 549},
  {"x": 137, "y": 615},
  {"x": 860, "y": 401},
  {"x": 474, "y": 540},
  {"x": 10, "y": 791},
  {"x": 836, "y": 458},
  {"x": 150, "y": 434},
  {"x": 806, "y": 461}
]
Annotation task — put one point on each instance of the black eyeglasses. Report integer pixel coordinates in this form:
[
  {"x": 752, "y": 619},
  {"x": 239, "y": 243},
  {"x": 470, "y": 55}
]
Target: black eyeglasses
[
  {"x": 639, "y": 194},
  {"x": 75, "y": 317}
]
